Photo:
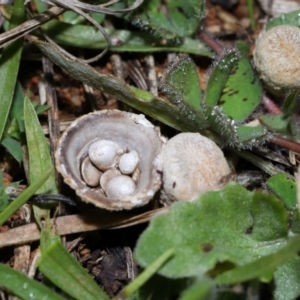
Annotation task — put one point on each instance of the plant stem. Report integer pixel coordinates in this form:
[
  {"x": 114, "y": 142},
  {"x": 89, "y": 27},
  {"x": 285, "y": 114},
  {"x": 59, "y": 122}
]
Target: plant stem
[
  {"x": 251, "y": 13},
  {"x": 271, "y": 106},
  {"x": 210, "y": 42},
  {"x": 286, "y": 143}
]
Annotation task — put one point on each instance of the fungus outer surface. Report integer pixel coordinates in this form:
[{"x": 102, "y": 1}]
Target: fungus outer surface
[
  {"x": 192, "y": 165},
  {"x": 276, "y": 57}
]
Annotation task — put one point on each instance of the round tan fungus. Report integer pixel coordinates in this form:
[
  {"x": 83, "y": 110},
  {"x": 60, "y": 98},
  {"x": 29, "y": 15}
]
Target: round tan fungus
[
  {"x": 276, "y": 57},
  {"x": 192, "y": 165}
]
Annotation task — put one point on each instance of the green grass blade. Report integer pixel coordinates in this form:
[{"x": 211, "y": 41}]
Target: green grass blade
[
  {"x": 39, "y": 155},
  {"x": 9, "y": 66},
  {"x": 22, "y": 199},
  {"x": 143, "y": 277},
  {"x": 262, "y": 266},
  {"x": 250, "y": 6},
  {"x": 24, "y": 287},
  {"x": 65, "y": 272},
  {"x": 39, "y": 158},
  {"x": 200, "y": 290}
]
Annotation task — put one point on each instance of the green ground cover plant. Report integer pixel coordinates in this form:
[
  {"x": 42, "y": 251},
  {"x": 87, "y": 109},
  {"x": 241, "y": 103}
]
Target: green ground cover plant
[{"x": 199, "y": 250}]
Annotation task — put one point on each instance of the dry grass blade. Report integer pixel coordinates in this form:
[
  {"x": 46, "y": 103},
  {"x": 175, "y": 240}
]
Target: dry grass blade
[
  {"x": 70, "y": 6},
  {"x": 76, "y": 224},
  {"x": 28, "y": 26},
  {"x": 77, "y": 7},
  {"x": 96, "y": 8}
]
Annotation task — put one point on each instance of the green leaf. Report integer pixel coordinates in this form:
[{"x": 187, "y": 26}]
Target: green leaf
[
  {"x": 65, "y": 272},
  {"x": 225, "y": 101},
  {"x": 262, "y": 265},
  {"x": 182, "y": 79},
  {"x": 200, "y": 290},
  {"x": 16, "y": 111},
  {"x": 162, "y": 288},
  {"x": 72, "y": 17},
  {"x": 15, "y": 124},
  {"x": 234, "y": 86},
  {"x": 39, "y": 160},
  {"x": 40, "y": 5},
  {"x": 248, "y": 135},
  {"x": 250, "y": 6},
  {"x": 287, "y": 280},
  {"x": 172, "y": 19},
  {"x": 219, "y": 77},
  {"x": 284, "y": 188},
  {"x": 3, "y": 194},
  {"x": 9, "y": 66},
  {"x": 181, "y": 86},
  {"x": 3, "y": 199},
  {"x": 214, "y": 229},
  {"x": 22, "y": 286},
  {"x": 270, "y": 220},
  {"x": 292, "y": 18},
  {"x": 242, "y": 92},
  {"x": 38, "y": 150},
  {"x": 278, "y": 123},
  {"x": 41, "y": 109},
  {"x": 83, "y": 36},
  {"x": 23, "y": 198},
  {"x": 291, "y": 103},
  {"x": 5, "y": 190},
  {"x": 243, "y": 47},
  {"x": 14, "y": 148}
]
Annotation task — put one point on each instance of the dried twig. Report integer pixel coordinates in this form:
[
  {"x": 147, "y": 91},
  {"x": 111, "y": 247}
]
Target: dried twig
[
  {"x": 51, "y": 98},
  {"x": 28, "y": 26},
  {"x": 151, "y": 74},
  {"x": 78, "y": 223},
  {"x": 95, "y": 8}
]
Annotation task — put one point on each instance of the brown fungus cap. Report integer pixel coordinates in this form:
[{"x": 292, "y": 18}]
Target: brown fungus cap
[
  {"x": 192, "y": 165},
  {"x": 130, "y": 131},
  {"x": 277, "y": 58}
]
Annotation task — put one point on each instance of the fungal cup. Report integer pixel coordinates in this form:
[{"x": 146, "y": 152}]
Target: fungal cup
[{"x": 131, "y": 132}]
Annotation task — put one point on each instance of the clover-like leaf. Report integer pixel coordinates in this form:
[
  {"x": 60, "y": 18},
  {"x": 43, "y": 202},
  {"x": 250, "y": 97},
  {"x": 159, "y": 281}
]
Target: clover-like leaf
[
  {"x": 248, "y": 135},
  {"x": 234, "y": 87},
  {"x": 183, "y": 78},
  {"x": 217, "y": 228},
  {"x": 181, "y": 86},
  {"x": 292, "y": 18},
  {"x": 279, "y": 123},
  {"x": 170, "y": 19},
  {"x": 284, "y": 188},
  {"x": 233, "y": 92},
  {"x": 287, "y": 280}
]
